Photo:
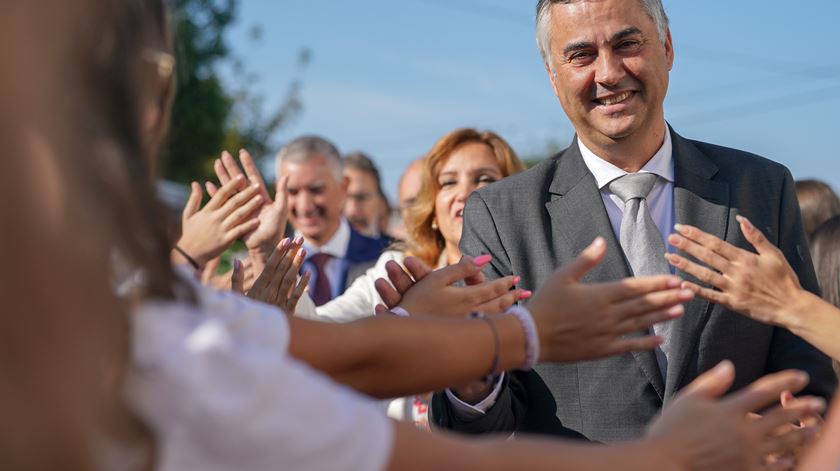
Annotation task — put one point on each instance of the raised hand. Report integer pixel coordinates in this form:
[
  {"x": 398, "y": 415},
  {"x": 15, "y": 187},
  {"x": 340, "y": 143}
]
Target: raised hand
[
  {"x": 272, "y": 215},
  {"x": 700, "y": 431},
  {"x": 761, "y": 285},
  {"x": 424, "y": 291},
  {"x": 578, "y": 321},
  {"x": 229, "y": 215},
  {"x": 278, "y": 283}
]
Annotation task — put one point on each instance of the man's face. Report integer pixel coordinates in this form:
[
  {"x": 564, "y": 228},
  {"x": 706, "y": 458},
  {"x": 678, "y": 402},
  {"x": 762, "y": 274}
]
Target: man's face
[
  {"x": 363, "y": 207},
  {"x": 610, "y": 68},
  {"x": 315, "y": 198}
]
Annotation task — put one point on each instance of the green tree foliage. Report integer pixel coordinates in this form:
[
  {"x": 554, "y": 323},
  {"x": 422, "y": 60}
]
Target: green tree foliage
[{"x": 207, "y": 117}]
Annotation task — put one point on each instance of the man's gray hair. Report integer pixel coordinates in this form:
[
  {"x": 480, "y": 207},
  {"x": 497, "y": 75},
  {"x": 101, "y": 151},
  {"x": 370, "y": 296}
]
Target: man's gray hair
[
  {"x": 653, "y": 8},
  {"x": 304, "y": 148}
]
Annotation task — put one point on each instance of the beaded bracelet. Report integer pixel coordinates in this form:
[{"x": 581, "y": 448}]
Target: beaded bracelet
[
  {"x": 494, "y": 368},
  {"x": 532, "y": 340}
]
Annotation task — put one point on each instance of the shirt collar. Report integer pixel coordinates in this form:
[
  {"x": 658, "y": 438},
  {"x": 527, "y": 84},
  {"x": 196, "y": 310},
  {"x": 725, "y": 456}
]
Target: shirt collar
[
  {"x": 661, "y": 164},
  {"x": 337, "y": 246}
]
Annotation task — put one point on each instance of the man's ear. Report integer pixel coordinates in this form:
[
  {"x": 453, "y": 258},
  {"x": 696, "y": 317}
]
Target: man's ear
[
  {"x": 345, "y": 183},
  {"x": 669, "y": 49},
  {"x": 552, "y": 77}
]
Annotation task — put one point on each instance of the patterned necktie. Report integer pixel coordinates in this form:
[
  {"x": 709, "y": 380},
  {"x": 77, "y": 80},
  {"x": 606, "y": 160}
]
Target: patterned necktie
[
  {"x": 323, "y": 291},
  {"x": 640, "y": 239}
]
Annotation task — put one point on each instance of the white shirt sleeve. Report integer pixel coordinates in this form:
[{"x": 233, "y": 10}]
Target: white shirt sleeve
[
  {"x": 218, "y": 388},
  {"x": 360, "y": 299},
  {"x": 470, "y": 411}
]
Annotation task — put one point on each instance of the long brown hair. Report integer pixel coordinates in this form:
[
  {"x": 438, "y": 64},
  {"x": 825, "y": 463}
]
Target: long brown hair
[
  {"x": 424, "y": 241},
  {"x": 817, "y": 202}
]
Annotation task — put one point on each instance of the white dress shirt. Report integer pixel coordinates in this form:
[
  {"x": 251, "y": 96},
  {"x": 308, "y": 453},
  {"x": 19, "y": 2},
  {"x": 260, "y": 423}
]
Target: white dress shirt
[
  {"x": 661, "y": 198},
  {"x": 336, "y": 247},
  {"x": 217, "y": 386},
  {"x": 661, "y": 205}
]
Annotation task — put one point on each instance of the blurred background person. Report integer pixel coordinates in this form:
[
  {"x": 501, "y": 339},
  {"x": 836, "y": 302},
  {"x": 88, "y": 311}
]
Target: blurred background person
[
  {"x": 817, "y": 202},
  {"x": 366, "y": 207},
  {"x": 317, "y": 190},
  {"x": 825, "y": 250},
  {"x": 407, "y": 190},
  {"x": 459, "y": 163}
]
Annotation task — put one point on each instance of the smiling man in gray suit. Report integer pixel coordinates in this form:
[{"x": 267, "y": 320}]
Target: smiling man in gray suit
[{"x": 630, "y": 178}]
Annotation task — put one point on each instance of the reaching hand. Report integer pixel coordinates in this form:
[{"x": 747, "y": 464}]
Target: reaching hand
[
  {"x": 578, "y": 321},
  {"x": 435, "y": 293},
  {"x": 272, "y": 215},
  {"x": 761, "y": 286},
  {"x": 698, "y": 431},
  {"x": 278, "y": 284},
  {"x": 208, "y": 231}
]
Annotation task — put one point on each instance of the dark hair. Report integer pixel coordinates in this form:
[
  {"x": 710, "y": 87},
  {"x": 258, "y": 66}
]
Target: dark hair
[
  {"x": 364, "y": 163},
  {"x": 817, "y": 202}
]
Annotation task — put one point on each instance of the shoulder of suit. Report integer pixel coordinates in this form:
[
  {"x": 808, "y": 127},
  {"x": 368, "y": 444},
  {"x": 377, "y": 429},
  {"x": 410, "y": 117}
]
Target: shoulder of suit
[
  {"x": 727, "y": 158},
  {"x": 363, "y": 248},
  {"x": 523, "y": 183}
]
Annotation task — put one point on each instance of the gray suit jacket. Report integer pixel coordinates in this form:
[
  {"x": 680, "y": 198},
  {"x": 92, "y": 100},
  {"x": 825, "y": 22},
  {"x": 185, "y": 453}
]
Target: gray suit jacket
[{"x": 534, "y": 222}]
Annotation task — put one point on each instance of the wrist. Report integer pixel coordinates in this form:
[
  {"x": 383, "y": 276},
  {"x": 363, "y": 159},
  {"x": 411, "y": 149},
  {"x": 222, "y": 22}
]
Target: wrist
[
  {"x": 660, "y": 453},
  {"x": 184, "y": 254},
  {"x": 798, "y": 316}
]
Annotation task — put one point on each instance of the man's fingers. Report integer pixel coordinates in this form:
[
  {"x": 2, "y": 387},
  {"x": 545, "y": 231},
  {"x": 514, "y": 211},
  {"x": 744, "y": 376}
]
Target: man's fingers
[
  {"x": 788, "y": 442},
  {"x": 194, "y": 201},
  {"x": 714, "y": 296},
  {"x": 586, "y": 261},
  {"x": 416, "y": 268},
  {"x": 754, "y": 236},
  {"x": 237, "y": 278},
  {"x": 766, "y": 390},
  {"x": 253, "y": 173},
  {"x": 710, "y": 242},
  {"x": 711, "y": 384},
  {"x": 225, "y": 193},
  {"x": 281, "y": 189},
  {"x": 779, "y": 419},
  {"x": 631, "y": 288},
  {"x": 399, "y": 278},
  {"x": 388, "y": 293}
]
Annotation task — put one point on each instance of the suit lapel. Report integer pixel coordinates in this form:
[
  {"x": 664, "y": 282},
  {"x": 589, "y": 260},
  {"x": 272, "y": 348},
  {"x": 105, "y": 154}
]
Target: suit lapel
[
  {"x": 704, "y": 203},
  {"x": 578, "y": 216}
]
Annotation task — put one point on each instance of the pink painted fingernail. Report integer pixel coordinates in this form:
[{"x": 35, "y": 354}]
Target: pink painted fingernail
[
  {"x": 237, "y": 265},
  {"x": 517, "y": 279},
  {"x": 284, "y": 243},
  {"x": 525, "y": 295},
  {"x": 482, "y": 260}
]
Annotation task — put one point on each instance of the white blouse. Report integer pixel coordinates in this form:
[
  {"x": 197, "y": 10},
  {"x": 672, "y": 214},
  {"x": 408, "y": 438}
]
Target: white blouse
[{"x": 216, "y": 384}]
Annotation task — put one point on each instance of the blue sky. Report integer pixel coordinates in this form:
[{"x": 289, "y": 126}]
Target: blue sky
[{"x": 391, "y": 77}]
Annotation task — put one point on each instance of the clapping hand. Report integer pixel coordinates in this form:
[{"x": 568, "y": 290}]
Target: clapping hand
[
  {"x": 278, "y": 283},
  {"x": 423, "y": 291},
  {"x": 697, "y": 430},
  {"x": 229, "y": 215},
  {"x": 760, "y": 285},
  {"x": 272, "y": 215},
  {"x": 586, "y": 321}
]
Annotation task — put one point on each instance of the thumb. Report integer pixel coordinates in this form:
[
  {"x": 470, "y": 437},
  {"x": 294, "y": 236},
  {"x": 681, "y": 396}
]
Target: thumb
[
  {"x": 711, "y": 384},
  {"x": 193, "y": 202},
  {"x": 587, "y": 260},
  {"x": 237, "y": 279}
]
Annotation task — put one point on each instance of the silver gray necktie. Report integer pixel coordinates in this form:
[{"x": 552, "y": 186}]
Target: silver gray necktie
[{"x": 640, "y": 239}]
